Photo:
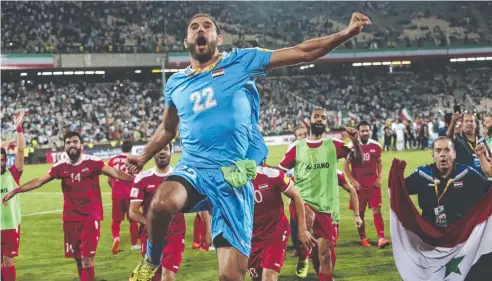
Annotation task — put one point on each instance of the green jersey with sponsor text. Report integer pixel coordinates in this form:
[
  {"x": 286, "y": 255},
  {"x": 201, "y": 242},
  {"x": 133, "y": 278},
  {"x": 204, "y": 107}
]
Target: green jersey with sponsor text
[{"x": 316, "y": 176}]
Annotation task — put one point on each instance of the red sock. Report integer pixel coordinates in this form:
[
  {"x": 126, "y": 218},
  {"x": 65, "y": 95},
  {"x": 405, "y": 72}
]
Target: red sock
[
  {"x": 115, "y": 228},
  {"x": 88, "y": 274},
  {"x": 8, "y": 273},
  {"x": 133, "y": 232},
  {"x": 379, "y": 224},
  {"x": 362, "y": 228},
  {"x": 333, "y": 258},
  {"x": 196, "y": 230},
  {"x": 325, "y": 277}
]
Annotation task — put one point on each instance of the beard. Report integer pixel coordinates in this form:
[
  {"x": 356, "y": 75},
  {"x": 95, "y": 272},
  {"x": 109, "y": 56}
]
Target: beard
[
  {"x": 207, "y": 54},
  {"x": 74, "y": 156},
  {"x": 364, "y": 139},
  {"x": 162, "y": 164},
  {"x": 318, "y": 129},
  {"x": 4, "y": 169}
]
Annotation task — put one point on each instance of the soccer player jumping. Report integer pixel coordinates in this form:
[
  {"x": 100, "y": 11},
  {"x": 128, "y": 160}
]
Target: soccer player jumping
[
  {"x": 216, "y": 105},
  {"x": 82, "y": 202},
  {"x": 315, "y": 170},
  {"x": 11, "y": 213},
  {"x": 367, "y": 179}
]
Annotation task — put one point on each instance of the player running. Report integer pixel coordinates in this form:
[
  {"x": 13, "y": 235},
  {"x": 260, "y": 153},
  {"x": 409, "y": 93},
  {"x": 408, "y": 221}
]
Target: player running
[
  {"x": 143, "y": 190},
  {"x": 82, "y": 203},
  {"x": 216, "y": 105},
  {"x": 271, "y": 227},
  {"x": 120, "y": 195},
  {"x": 11, "y": 212},
  {"x": 315, "y": 170},
  {"x": 367, "y": 180}
]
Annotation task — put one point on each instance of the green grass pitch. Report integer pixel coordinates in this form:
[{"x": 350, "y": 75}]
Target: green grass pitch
[{"x": 41, "y": 255}]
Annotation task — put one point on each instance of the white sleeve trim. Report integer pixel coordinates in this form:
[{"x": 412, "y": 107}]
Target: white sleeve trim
[
  {"x": 136, "y": 200},
  {"x": 283, "y": 168}
]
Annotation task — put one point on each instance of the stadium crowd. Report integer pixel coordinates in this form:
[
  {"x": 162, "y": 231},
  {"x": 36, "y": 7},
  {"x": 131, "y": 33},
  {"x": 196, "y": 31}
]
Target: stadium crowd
[
  {"x": 105, "y": 26},
  {"x": 126, "y": 109}
]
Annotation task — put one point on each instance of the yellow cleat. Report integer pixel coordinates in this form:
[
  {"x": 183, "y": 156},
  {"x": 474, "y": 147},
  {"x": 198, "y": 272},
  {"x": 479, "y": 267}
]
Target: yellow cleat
[
  {"x": 302, "y": 268},
  {"x": 145, "y": 271}
]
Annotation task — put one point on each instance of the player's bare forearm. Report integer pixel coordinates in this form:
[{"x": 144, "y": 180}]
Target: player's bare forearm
[
  {"x": 35, "y": 183},
  {"x": 117, "y": 174},
  {"x": 347, "y": 171},
  {"x": 205, "y": 215},
  {"x": 354, "y": 200},
  {"x": 19, "y": 157},
  {"x": 135, "y": 213},
  {"x": 308, "y": 51},
  {"x": 450, "y": 130},
  {"x": 379, "y": 169},
  {"x": 293, "y": 194},
  {"x": 314, "y": 49},
  {"x": 164, "y": 134},
  {"x": 357, "y": 156}
]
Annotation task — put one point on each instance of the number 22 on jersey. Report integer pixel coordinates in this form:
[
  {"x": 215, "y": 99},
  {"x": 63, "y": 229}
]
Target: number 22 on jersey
[{"x": 203, "y": 100}]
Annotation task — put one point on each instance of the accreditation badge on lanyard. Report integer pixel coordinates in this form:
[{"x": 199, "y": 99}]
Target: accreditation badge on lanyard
[{"x": 441, "y": 219}]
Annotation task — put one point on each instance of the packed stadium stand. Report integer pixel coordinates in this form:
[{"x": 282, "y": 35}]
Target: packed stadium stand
[{"x": 146, "y": 27}]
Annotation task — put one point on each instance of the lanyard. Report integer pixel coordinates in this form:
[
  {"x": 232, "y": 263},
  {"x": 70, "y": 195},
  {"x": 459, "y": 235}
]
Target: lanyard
[
  {"x": 471, "y": 146},
  {"x": 208, "y": 68},
  {"x": 443, "y": 192}
]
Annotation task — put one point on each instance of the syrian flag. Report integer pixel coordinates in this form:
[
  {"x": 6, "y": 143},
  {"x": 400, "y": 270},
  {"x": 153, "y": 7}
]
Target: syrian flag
[
  {"x": 303, "y": 119},
  {"x": 425, "y": 252}
]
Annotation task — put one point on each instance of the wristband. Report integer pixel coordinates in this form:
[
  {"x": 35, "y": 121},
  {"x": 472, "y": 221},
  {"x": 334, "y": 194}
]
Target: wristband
[
  {"x": 17, "y": 190},
  {"x": 19, "y": 129}
]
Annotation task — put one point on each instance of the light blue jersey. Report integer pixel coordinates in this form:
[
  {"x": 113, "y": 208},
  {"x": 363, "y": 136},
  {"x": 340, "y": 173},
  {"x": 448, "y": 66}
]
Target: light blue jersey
[
  {"x": 219, "y": 112},
  {"x": 219, "y": 108}
]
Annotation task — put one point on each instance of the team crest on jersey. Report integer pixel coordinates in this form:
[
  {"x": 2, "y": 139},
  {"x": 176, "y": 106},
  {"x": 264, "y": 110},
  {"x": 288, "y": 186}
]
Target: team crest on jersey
[
  {"x": 85, "y": 170},
  {"x": 218, "y": 73}
]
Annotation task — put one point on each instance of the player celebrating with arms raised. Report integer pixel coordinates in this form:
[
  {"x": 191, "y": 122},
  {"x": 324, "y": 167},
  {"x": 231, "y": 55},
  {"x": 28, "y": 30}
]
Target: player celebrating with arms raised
[
  {"x": 271, "y": 227},
  {"x": 216, "y": 105},
  {"x": 367, "y": 179},
  {"x": 11, "y": 213},
  {"x": 142, "y": 192},
  {"x": 82, "y": 202},
  {"x": 315, "y": 170}
]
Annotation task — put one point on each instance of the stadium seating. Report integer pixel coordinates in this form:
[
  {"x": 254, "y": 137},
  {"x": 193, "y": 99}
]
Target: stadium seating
[
  {"x": 97, "y": 26},
  {"x": 132, "y": 110}
]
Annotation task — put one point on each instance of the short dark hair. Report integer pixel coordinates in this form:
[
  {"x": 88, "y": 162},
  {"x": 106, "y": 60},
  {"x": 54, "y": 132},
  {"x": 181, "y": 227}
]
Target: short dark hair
[
  {"x": 447, "y": 118},
  {"x": 299, "y": 127},
  {"x": 126, "y": 146},
  {"x": 199, "y": 15},
  {"x": 4, "y": 152},
  {"x": 363, "y": 123},
  {"x": 72, "y": 134},
  {"x": 443, "y": 138}
]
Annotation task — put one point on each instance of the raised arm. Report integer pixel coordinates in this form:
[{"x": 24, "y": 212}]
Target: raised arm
[
  {"x": 452, "y": 125},
  {"x": 31, "y": 185},
  {"x": 314, "y": 49},
  {"x": 484, "y": 161},
  {"x": 353, "y": 134},
  {"x": 117, "y": 174},
  {"x": 19, "y": 156},
  {"x": 164, "y": 134}
]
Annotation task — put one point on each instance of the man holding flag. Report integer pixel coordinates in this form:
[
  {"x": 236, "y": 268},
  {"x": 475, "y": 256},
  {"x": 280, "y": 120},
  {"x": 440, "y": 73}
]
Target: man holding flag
[{"x": 454, "y": 231}]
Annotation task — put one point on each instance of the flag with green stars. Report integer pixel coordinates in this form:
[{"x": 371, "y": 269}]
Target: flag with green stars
[{"x": 460, "y": 252}]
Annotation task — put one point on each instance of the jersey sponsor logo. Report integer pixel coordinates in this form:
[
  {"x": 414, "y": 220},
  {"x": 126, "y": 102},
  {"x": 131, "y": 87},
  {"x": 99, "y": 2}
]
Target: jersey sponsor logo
[
  {"x": 4, "y": 190},
  {"x": 318, "y": 166},
  {"x": 151, "y": 186},
  {"x": 372, "y": 150}
]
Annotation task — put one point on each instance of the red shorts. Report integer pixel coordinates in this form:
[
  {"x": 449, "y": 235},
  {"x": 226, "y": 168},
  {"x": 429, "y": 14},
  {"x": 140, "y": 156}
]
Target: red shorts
[
  {"x": 271, "y": 256},
  {"x": 172, "y": 254},
  {"x": 121, "y": 207},
  {"x": 81, "y": 238},
  {"x": 323, "y": 223},
  {"x": 368, "y": 197},
  {"x": 10, "y": 241}
]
